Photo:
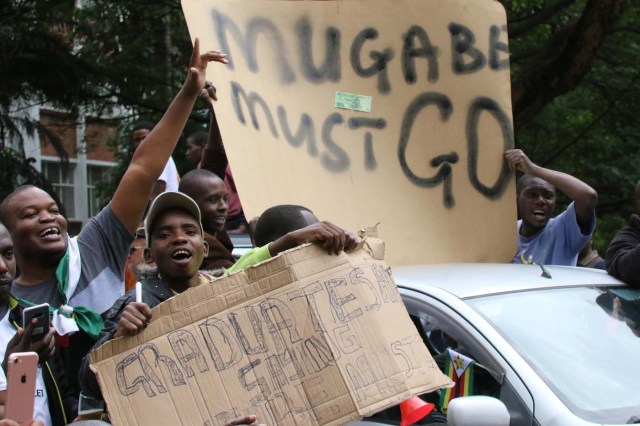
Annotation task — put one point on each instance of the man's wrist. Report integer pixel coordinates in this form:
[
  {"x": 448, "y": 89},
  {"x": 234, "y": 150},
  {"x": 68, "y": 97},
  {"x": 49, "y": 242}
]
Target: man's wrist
[
  {"x": 534, "y": 170},
  {"x": 283, "y": 243},
  {"x": 293, "y": 239}
]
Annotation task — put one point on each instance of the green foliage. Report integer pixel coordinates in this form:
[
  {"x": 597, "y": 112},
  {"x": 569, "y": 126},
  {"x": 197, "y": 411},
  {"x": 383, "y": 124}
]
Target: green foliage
[
  {"x": 37, "y": 54},
  {"x": 608, "y": 226},
  {"x": 37, "y": 65},
  {"x": 141, "y": 49},
  {"x": 524, "y": 6}
]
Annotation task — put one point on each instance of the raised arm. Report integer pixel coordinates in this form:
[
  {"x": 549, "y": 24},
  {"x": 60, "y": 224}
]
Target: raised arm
[
  {"x": 131, "y": 197},
  {"x": 584, "y": 197},
  {"x": 214, "y": 157}
]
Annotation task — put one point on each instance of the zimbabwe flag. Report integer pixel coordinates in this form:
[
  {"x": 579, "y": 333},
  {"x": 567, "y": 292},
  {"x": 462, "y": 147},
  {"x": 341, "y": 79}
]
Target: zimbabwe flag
[{"x": 459, "y": 369}]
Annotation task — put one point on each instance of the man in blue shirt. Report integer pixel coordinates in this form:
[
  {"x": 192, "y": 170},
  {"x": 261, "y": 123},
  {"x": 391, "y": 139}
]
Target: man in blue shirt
[{"x": 541, "y": 238}]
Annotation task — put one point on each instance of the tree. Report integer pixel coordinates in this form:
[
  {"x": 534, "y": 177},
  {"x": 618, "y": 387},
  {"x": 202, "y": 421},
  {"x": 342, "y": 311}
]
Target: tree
[
  {"x": 565, "y": 58},
  {"x": 38, "y": 65}
]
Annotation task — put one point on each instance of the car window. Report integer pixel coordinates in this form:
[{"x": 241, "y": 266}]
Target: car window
[
  {"x": 441, "y": 335},
  {"x": 441, "y": 332},
  {"x": 579, "y": 340}
]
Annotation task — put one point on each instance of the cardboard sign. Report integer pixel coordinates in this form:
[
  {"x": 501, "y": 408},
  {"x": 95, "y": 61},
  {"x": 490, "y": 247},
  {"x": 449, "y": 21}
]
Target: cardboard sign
[
  {"x": 371, "y": 111},
  {"x": 305, "y": 338}
]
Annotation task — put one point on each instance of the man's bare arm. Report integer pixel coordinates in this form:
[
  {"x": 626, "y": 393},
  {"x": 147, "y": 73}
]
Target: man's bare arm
[
  {"x": 149, "y": 159},
  {"x": 584, "y": 197},
  {"x": 214, "y": 157}
]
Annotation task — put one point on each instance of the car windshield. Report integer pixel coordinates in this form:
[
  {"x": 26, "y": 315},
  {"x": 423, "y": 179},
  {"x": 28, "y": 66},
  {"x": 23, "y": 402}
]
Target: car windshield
[{"x": 583, "y": 342}]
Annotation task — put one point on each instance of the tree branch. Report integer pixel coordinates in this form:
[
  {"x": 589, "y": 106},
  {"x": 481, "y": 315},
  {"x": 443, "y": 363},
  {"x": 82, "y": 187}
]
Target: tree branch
[
  {"x": 524, "y": 25},
  {"x": 565, "y": 60},
  {"x": 610, "y": 107}
]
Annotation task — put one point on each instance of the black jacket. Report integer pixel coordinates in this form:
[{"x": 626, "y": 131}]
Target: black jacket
[
  {"x": 154, "y": 292},
  {"x": 623, "y": 255},
  {"x": 63, "y": 401}
]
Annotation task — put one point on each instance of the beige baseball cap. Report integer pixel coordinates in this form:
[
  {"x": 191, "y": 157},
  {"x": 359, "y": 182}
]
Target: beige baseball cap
[{"x": 170, "y": 200}]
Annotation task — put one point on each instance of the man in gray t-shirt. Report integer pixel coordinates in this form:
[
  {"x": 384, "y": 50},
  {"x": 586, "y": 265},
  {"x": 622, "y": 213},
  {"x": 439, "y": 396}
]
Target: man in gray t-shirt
[
  {"x": 86, "y": 274},
  {"x": 101, "y": 244}
]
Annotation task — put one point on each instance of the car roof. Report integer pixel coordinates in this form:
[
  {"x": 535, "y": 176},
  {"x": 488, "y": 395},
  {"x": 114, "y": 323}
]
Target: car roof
[{"x": 480, "y": 279}]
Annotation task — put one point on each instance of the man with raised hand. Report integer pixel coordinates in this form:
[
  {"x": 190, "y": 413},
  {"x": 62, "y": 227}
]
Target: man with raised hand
[
  {"x": 544, "y": 239},
  {"x": 82, "y": 277}
]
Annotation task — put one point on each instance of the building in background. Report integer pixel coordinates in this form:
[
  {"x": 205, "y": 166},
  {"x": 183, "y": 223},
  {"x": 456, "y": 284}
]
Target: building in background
[{"x": 86, "y": 141}]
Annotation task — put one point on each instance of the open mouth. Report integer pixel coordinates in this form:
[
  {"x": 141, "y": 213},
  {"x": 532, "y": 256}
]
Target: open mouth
[
  {"x": 181, "y": 255},
  {"x": 49, "y": 232},
  {"x": 539, "y": 214},
  {"x": 220, "y": 219}
]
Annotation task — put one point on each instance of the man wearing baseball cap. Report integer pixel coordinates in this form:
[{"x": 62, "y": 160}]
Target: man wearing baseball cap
[
  {"x": 175, "y": 241},
  {"x": 176, "y": 244}
]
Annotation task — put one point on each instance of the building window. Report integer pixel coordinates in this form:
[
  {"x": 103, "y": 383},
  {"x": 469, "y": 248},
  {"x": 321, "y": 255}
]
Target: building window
[
  {"x": 96, "y": 175},
  {"x": 61, "y": 178}
]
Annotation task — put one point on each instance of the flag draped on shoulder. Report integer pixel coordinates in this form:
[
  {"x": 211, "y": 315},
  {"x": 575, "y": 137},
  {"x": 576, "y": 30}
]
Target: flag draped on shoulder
[{"x": 69, "y": 317}]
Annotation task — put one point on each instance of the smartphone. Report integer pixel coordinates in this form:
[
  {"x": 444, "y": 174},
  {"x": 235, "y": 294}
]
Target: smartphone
[
  {"x": 41, "y": 314},
  {"x": 90, "y": 408},
  {"x": 22, "y": 369}
]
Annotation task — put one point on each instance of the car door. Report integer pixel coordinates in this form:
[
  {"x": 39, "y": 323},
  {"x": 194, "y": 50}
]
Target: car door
[{"x": 442, "y": 327}]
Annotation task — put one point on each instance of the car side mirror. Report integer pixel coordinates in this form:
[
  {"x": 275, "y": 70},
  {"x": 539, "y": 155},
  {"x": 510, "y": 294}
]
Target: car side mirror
[{"x": 477, "y": 411}]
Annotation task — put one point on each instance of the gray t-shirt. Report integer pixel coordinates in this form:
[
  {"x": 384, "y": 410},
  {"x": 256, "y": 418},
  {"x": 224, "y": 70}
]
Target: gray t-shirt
[{"x": 103, "y": 244}]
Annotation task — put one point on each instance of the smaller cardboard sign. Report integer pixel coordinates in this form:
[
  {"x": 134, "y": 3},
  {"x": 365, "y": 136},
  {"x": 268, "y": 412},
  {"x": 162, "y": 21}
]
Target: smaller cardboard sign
[{"x": 306, "y": 338}]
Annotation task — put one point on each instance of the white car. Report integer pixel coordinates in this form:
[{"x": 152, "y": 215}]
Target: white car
[{"x": 556, "y": 346}]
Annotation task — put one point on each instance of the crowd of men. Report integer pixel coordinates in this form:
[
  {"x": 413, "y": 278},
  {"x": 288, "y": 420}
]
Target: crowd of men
[{"x": 169, "y": 233}]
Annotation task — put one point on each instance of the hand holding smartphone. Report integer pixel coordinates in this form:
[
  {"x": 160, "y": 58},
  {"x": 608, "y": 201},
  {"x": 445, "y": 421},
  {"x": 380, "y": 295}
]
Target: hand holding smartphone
[
  {"x": 43, "y": 320},
  {"x": 22, "y": 369}
]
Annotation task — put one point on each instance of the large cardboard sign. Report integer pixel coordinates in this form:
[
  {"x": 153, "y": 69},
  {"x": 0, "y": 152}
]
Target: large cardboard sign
[
  {"x": 371, "y": 111},
  {"x": 305, "y": 338}
]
